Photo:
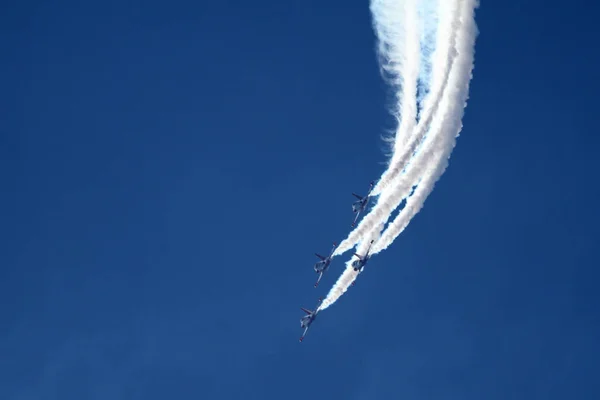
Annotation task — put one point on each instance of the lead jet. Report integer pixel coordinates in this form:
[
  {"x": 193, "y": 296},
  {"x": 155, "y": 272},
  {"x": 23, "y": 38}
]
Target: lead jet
[
  {"x": 360, "y": 205},
  {"x": 323, "y": 265},
  {"x": 359, "y": 264},
  {"x": 308, "y": 319}
]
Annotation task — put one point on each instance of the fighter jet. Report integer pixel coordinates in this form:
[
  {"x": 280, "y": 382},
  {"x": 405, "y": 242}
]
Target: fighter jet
[
  {"x": 359, "y": 264},
  {"x": 323, "y": 265},
  {"x": 308, "y": 319},
  {"x": 360, "y": 205}
]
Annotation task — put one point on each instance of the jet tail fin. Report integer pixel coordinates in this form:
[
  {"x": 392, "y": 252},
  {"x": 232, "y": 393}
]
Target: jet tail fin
[
  {"x": 370, "y": 244},
  {"x": 371, "y": 186},
  {"x": 333, "y": 249}
]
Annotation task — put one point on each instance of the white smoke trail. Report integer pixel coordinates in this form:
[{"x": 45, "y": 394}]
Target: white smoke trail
[
  {"x": 397, "y": 29},
  {"x": 442, "y": 60},
  {"x": 428, "y": 16},
  {"x": 431, "y": 161},
  {"x": 390, "y": 199},
  {"x": 450, "y": 124}
]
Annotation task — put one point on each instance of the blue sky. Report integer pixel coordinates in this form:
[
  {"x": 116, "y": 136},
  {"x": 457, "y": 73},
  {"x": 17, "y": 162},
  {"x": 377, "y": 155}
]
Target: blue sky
[{"x": 169, "y": 169}]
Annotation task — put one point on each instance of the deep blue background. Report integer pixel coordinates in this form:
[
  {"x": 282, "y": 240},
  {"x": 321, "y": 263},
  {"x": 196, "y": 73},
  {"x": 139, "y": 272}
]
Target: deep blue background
[{"x": 168, "y": 170}]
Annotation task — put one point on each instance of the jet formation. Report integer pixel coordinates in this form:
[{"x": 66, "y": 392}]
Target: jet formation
[{"x": 322, "y": 265}]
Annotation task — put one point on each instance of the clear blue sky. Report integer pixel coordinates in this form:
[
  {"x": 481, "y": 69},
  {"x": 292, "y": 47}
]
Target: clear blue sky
[{"x": 169, "y": 169}]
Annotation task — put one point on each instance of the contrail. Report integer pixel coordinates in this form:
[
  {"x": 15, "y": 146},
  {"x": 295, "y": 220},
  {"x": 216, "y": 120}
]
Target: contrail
[
  {"x": 429, "y": 17},
  {"x": 450, "y": 125},
  {"x": 442, "y": 59},
  {"x": 441, "y": 123},
  {"x": 399, "y": 57},
  {"x": 390, "y": 199}
]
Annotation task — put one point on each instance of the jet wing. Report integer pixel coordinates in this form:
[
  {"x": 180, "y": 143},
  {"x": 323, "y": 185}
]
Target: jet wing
[
  {"x": 304, "y": 334},
  {"x": 319, "y": 280},
  {"x": 355, "y": 218}
]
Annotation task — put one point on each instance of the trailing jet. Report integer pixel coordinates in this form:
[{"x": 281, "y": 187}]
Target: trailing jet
[
  {"x": 359, "y": 264},
  {"x": 308, "y": 319},
  {"x": 323, "y": 265},
  {"x": 360, "y": 205}
]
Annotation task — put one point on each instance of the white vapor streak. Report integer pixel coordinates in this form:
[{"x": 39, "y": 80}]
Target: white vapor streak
[
  {"x": 428, "y": 16},
  {"x": 397, "y": 30},
  {"x": 391, "y": 198},
  {"x": 441, "y": 60},
  {"x": 450, "y": 125}
]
